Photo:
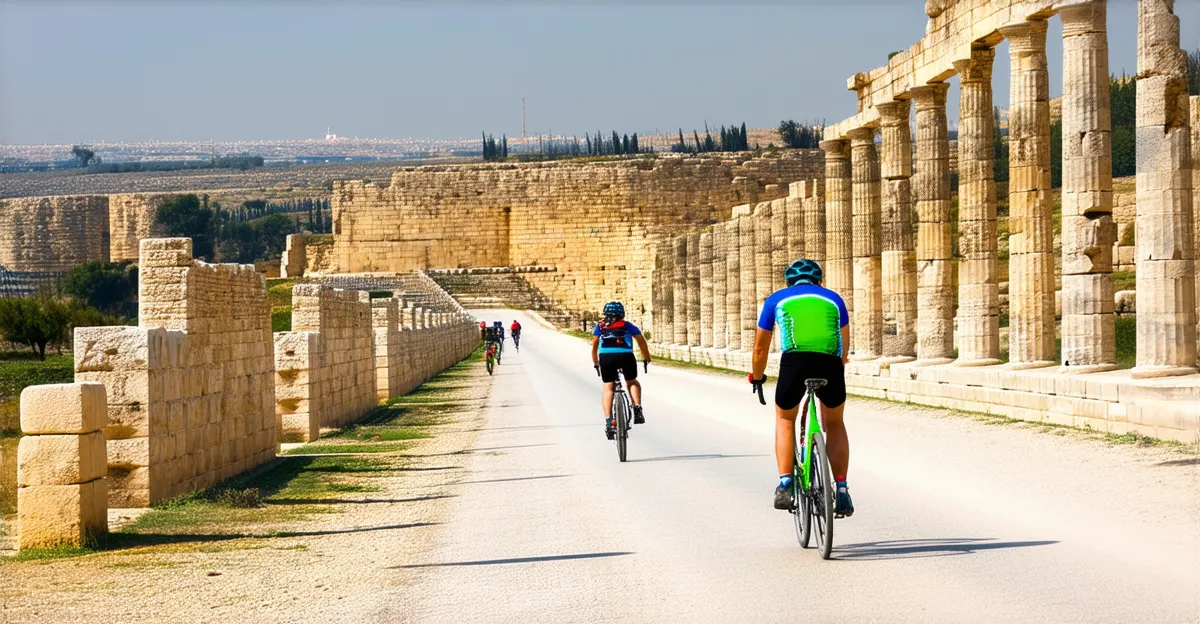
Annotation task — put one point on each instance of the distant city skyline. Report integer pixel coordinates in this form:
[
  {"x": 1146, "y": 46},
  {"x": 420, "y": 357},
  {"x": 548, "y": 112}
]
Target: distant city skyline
[{"x": 124, "y": 72}]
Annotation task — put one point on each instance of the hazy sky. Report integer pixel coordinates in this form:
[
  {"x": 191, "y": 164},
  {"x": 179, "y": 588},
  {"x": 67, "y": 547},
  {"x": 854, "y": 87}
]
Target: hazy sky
[{"x": 198, "y": 70}]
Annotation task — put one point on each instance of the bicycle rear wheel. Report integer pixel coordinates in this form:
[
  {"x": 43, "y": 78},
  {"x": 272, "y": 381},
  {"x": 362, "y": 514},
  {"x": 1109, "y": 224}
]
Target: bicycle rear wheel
[
  {"x": 622, "y": 417},
  {"x": 490, "y": 365},
  {"x": 802, "y": 511},
  {"x": 822, "y": 497}
]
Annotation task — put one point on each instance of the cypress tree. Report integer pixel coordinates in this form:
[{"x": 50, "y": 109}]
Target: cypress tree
[
  {"x": 696, "y": 137},
  {"x": 625, "y": 144},
  {"x": 634, "y": 144},
  {"x": 682, "y": 143}
]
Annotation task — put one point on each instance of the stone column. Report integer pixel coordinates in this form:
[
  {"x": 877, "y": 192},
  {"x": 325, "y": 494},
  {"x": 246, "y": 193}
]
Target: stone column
[
  {"x": 1195, "y": 125},
  {"x": 794, "y": 209},
  {"x": 866, "y": 326},
  {"x": 762, "y": 256},
  {"x": 719, "y": 294},
  {"x": 1166, "y": 287},
  {"x": 899, "y": 253},
  {"x": 813, "y": 207},
  {"x": 679, "y": 290},
  {"x": 733, "y": 286},
  {"x": 931, "y": 187},
  {"x": 706, "y": 289},
  {"x": 693, "y": 290},
  {"x": 1031, "y": 242},
  {"x": 749, "y": 288},
  {"x": 1088, "y": 231},
  {"x": 839, "y": 249},
  {"x": 779, "y": 242},
  {"x": 656, "y": 295},
  {"x": 664, "y": 331},
  {"x": 978, "y": 289}
]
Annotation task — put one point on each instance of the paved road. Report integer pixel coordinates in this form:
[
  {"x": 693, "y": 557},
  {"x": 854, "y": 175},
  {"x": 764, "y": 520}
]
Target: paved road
[{"x": 958, "y": 520}]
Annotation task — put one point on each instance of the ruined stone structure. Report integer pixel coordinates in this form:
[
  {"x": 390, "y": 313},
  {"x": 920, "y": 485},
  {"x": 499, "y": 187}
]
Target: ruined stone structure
[
  {"x": 191, "y": 399},
  {"x": 586, "y": 220},
  {"x": 62, "y": 495},
  {"x": 294, "y": 258},
  {"x": 130, "y": 221},
  {"x": 899, "y": 280},
  {"x": 53, "y": 234}
]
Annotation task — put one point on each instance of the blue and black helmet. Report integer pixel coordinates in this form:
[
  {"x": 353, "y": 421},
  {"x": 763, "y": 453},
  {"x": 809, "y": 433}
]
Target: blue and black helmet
[
  {"x": 614, "y": 310},
  {"x": 803, "y": 271}
]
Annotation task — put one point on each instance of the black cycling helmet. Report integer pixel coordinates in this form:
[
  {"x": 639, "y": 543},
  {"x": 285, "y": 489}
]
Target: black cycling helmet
[
  {"x": 614, "y": 310},
  {"x": 803, "y": 271},
  {"x": 497, "y": 323}
]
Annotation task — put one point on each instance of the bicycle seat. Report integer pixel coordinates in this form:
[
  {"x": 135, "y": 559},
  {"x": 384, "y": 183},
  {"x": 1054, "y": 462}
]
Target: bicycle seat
[{"x": 815, "y": 384}]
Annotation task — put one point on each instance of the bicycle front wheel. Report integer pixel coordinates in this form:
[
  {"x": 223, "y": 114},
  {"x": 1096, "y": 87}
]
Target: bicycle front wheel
[
  {"x": 822, "y": 497},
  {"x": 621, "y": 414},
  {"x": 490, "y": 365}
]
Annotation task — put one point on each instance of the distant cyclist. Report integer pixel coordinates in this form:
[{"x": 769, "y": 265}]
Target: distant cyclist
[
  {"x": 814, "y": 330},
  {"x": 516, "y": 333},
  {"x": 498, "y": 326},
  {"x": 612, "y": 351},
  {"x": 491, "y": 341},
  {"x": 483, "y": 330}
]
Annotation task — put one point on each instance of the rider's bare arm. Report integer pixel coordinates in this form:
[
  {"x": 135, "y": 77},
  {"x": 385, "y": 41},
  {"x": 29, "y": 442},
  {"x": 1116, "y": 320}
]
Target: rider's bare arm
[
  {"x": 643, "y": 346},
  {"x": 596, "y": 351},
  {"x": 846, "y": 343},
  {"x": 762, "y": 346}
]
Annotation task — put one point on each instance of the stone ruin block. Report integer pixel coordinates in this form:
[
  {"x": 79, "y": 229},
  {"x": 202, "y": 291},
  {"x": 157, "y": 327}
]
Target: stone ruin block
[{"x": 62, "y": 492}]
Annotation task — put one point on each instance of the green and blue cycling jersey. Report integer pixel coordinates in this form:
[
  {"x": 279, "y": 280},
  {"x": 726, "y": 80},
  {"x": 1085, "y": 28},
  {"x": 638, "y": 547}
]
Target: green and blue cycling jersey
[{"x": 810, "y": 318}]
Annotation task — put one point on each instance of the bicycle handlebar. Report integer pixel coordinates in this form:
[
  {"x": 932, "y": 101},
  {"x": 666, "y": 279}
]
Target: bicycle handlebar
[
  {"x": 645, "y": 366},
  {"x": 756, "y": 386}
]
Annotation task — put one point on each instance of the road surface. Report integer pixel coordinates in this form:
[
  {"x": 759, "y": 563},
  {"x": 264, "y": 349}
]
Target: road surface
[{"x": 957, "y": 520}]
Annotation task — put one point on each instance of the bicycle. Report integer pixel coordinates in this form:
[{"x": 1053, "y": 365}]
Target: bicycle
[
  {"x": 491, "y": 357},
  {"x": 812, "y": 477},
  {"x": 622, "y": 413},
  {"x": 517, "y": 340}
]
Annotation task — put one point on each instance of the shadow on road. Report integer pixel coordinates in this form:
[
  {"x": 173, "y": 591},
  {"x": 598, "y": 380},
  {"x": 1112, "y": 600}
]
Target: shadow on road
[
  {"x": 541, "y": 559},
  {"x": 502, "y": 448},
  {"x": 518, "y": 479},
  {"x": 353, "y": 501},
  {"x": 1191, "y": 461},
  {"x": 921, "y": 548},
  {"x": 691, "y": 457}
]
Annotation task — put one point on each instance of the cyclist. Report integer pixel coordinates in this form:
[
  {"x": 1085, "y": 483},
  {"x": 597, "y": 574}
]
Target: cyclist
[
  {"x": 612, "y": 351},
  {"x": 483, "y": 330},
  {"x": 491, "y": 340},
  {"x": 499, "y": 327},
  {"x": 815, "y": 333},
  {"x": 516, "y": 332}
]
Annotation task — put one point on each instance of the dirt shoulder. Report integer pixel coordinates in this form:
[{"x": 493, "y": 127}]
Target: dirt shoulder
[{"x": 295, "y": 543}]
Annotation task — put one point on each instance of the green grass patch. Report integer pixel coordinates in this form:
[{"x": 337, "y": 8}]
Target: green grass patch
[
  {"x": 18, "y": 370},
  {"x": 49, "y": 554},
  {"x": 578, "y": 334},
  {"x": 279, "y": 291},
  {"x": 1126, "y": 341},
  {"x": 281, "y": 319},
  {"x": 335, "y": 448},
  {"x": 1124, "y": 280}
]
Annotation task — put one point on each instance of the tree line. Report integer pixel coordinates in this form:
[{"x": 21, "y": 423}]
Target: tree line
[
  {"x": 493, "y": 151},
  {"x": 217, "y": 236},
  {"x": 732, "y": 139},
  {"x": 89, "y": 160},
  {"x": 801, "y": 136}
]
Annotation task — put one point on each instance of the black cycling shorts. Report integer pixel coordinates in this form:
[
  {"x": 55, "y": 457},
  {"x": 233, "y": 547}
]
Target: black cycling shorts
[
  {"x": 796, "y": 366},
  {"x": 610, "y": 363}
]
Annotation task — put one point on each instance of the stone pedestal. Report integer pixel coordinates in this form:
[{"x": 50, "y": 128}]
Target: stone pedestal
[
  {"x": 1166, "y": 287},
  {"x": 898, "y": 245},
  {"x": 1088, "y": 232},
  {"x": 978, "y": 289},
  {"x": 866, "y": 325},
  {"x": 839, "y": 247},
  {"x": 1031, "y": 242}
]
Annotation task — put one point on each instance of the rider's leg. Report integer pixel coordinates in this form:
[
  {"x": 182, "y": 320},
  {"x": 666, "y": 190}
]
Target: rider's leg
[
  {"x": 837, "y": 444},
  {"x": 635, "y": 391},
  {"x": 607, "y": 399},
  {"x": 785, "y": 438}
]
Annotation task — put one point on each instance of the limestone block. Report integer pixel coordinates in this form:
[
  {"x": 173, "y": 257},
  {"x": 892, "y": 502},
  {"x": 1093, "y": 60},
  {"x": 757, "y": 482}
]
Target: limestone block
[
  {"x": 60, "y": 459},
  {"x": 63, "y": 408},
  {"x": 51, "y": 515}
]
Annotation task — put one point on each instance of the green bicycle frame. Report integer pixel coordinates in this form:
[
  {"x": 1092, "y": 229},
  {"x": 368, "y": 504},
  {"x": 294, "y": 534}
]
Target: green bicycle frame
[{"x": 811, "y": 427}]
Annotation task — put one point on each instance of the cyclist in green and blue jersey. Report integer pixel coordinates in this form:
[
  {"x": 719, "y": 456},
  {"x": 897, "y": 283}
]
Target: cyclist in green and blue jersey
[{"x": 814, "y": 329}]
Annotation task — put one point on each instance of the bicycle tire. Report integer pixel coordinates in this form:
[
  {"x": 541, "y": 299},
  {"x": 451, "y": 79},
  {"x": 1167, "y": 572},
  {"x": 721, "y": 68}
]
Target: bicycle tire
[
  {"x": 803, "y": 508},
  {"x": 490, "y": 366},
  {"x": 822, "y": 497},
  {"x": 622, "y": 419}
]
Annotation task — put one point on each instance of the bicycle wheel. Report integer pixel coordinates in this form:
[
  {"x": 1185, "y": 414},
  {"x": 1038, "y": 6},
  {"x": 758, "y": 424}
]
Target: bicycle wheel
[
  {"x": 822, "y": 497},
  {"x": 490, "y": 365},
  {"x": 622, "y": 417},
  {"x": 517, "y": 342},
  {"x": 802, "y": 511}
]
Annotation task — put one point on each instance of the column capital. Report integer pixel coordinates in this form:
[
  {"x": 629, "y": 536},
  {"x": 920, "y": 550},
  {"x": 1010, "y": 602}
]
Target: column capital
[
  {"x": 835, "y": 148},
  {"x": 1026, "y": 37},
  {"x": 893, "y": 113},
  {"x": 978, "y": 68},
  {"x": 860, "y": 136},
  {"x": 930, "y": 96},
  {"x": 1085, "y": 17}
]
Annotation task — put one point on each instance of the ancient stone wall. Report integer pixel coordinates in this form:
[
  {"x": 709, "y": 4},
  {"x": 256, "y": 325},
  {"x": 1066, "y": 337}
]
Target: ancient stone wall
[
  {"x": 587, "y": 220},
  {"x": 325, "y": 366},
  {"x": 190, "y": 391},
  {"x": 130, "y": 220},
  {"x": 294, "y": 258},
  {"x": 53, "y": 234}
]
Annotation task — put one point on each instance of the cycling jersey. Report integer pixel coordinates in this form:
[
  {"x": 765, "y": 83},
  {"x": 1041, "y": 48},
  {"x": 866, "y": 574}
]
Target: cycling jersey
[
  {"x": 810, "y": 318},
  {"x": 516, "y": 327},
  {"x": 616, "y": 337}
]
